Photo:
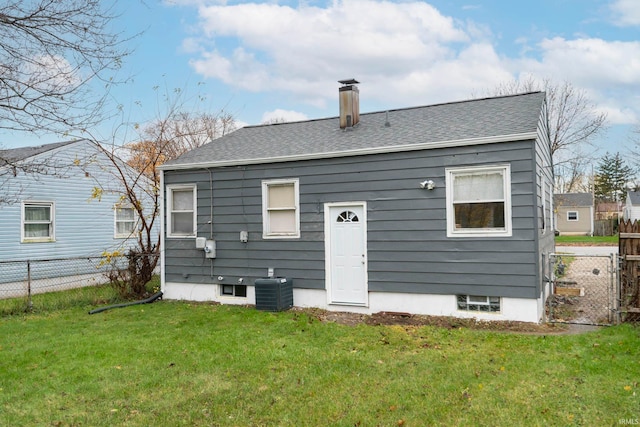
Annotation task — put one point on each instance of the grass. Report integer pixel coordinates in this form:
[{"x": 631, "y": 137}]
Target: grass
[
  {"x": 173, "y": 363},
  {"x": 588, "y": 240},
  {"x": 80, "y": 297}
]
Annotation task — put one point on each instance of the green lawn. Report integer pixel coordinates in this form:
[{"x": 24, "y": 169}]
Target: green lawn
[
  {"x": 587, "y": 240},
  {"x": 173, "y": 363}
]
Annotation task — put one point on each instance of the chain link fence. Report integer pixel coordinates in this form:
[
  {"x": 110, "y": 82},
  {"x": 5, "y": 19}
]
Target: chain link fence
[
  {"x": 35, "y": 280},
  {"x": 583, "y": 289}
]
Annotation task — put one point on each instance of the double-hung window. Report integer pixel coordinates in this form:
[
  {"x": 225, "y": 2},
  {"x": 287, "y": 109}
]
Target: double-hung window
[
  {"x": 181, "y": 210},
  {"x": 280, "y": 209},
  {"x": 125, "y": 221},
  {"x": 479, "y": 201},
  {"x": 572, "y": 215},
  {"x": 38, "y": 221}
]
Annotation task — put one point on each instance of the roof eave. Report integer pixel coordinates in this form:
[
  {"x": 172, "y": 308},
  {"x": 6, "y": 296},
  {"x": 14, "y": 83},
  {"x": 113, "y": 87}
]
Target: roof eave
[{"x": 358, "y": 152}]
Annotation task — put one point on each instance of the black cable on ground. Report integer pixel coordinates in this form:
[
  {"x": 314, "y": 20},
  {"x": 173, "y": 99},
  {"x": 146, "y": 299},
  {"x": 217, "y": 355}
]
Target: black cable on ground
[{"x": 151, "y": 299}]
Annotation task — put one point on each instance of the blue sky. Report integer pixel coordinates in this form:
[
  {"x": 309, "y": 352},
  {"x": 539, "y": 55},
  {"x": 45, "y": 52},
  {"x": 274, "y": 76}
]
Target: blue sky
[{"x": 282, "y": 59}]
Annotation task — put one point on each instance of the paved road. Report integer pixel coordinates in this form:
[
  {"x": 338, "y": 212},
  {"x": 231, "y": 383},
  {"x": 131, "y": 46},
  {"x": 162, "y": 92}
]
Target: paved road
[{"x": 588, "y": 250}]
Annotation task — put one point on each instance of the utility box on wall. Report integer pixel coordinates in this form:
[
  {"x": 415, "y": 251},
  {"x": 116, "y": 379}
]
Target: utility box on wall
[{"x": 274, "y": 294}]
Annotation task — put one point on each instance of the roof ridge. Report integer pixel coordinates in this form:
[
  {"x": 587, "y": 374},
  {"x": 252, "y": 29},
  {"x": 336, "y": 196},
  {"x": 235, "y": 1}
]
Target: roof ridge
[
  {"x": 415, "y": 107},
  {"x": 22, "y": 153}
]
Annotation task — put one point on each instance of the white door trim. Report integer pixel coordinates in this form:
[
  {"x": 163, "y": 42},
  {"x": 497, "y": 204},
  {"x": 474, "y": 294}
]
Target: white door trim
[{"x": 328, "y": 254}]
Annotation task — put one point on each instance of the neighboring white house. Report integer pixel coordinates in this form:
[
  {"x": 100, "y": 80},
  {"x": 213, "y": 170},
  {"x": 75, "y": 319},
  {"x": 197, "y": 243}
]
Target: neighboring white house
[
  {"x": 632, "y": 206},
  {"x": 52, "y": 208}
]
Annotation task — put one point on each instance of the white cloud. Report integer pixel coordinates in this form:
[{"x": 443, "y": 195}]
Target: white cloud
[
  {"x": 241, "y": 69},
  {"x": 609, "y": 71},
  {"x": 304, "y": 50},
  {"x": 404, "y": 53},
  {"x": 589, "y": 61},
  {"x": 626, "y": 12},
  {"x": 617, "y": 115},
  {"x": 52, "y": 73}
]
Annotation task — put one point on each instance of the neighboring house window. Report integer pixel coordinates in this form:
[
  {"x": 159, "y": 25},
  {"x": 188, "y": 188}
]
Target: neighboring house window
[
  {"x": 37, "y": 221},
  {"x": 181, "y": 212},
  {"x": 479, "y": 201},
  {"x": 125, "y": 221},
  {"x": 280, "y": 209},
  {"x": 572, "y": 215},
  {"x": 478, "y": 303},
  {"x": 239, "y": 291}
]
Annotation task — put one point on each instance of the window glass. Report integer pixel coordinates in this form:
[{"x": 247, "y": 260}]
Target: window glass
[
  {"x": 347, "y": 216},
  {"x": 282, "y": 196},
  {"x": 36, "y": 230},
  {"x": 182, "y": 223},
  {"x": 37, "y": 221},
  {"x": 282, "y": 221},
  {"x": 125, "y": 221},
  {"x": 478, "y": 303},
  {"x": 234, "y": 290},
  {"x": 183, "y": 200},
  {"x": 478, "y": 201},
  {"x": 37, "y": 213},
  {"x": 280, "y": 209},
  {"x": 182, "y": 211},
  {"x": 476, "y": 187},
  {"x": 479, "y": 215}
]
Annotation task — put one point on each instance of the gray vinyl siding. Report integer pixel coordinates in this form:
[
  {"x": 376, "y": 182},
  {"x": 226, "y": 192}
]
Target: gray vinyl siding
[
  {"x": 84, "y": 226},
  {"x": 544, "y": 196},
  {"x": 408, "y": 249}
]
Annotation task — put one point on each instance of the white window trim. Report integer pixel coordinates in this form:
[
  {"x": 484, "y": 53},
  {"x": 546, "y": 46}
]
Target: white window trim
[
  {"x": 577, "y": 216},
  {"x": 481, "y": 232},
  {"x": 117, "y": 235},
  {"x": 52, "y": 237},
  {"x": 266, "y": 234},
  {"x": 170, "y": 189}
]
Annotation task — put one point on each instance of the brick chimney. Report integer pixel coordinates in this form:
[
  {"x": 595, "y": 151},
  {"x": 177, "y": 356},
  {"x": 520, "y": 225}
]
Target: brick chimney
[{"x": 349, "y": 103}]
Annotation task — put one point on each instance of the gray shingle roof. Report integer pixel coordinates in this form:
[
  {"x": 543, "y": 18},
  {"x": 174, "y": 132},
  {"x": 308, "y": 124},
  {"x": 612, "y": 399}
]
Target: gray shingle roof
[
  {"x": 22, "y": 153},
  {"x": 573, "y": 199},
  {"x": 456, "y": 121},
  {"x": 634, "y": 197}
]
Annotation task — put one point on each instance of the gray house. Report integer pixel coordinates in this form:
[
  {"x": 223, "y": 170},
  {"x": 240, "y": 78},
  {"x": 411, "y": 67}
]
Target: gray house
[
  {"x": 574, "y": 214},
  {"x": 440, "y": 210}
]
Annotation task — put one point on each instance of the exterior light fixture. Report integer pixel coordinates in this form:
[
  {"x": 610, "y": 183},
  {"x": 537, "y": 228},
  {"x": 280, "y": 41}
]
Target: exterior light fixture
[{"x": 428, "y": 185}]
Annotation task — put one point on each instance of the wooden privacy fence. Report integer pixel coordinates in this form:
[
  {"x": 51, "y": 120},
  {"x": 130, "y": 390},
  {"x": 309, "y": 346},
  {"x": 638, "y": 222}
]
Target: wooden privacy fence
[{"x": 629, "y": 251}]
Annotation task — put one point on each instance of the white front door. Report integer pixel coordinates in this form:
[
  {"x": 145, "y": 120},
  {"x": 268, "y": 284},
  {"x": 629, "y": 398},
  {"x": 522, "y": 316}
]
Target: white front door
[{"x": 346, "y": 234}]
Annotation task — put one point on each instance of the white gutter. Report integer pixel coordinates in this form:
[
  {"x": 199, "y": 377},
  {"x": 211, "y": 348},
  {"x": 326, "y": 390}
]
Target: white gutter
[
  {"x": 358, "y": 152},
  {"x": 162, "y": 234}
]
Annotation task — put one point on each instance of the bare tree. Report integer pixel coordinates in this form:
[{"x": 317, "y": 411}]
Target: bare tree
[
  {"x": 50, "y": 51},
  {"x": 575, "y": 175},
  {"x": 573, "y": 122},
  {"x": 142, "y": 194},
  {"x": 137, "y": 179},
  {"x": 180, "y": 132}
]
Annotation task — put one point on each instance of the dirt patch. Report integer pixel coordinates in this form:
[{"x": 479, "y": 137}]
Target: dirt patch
[
  {"x": 406, "y": 319},
  {"x": 591, "y": 282}
]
